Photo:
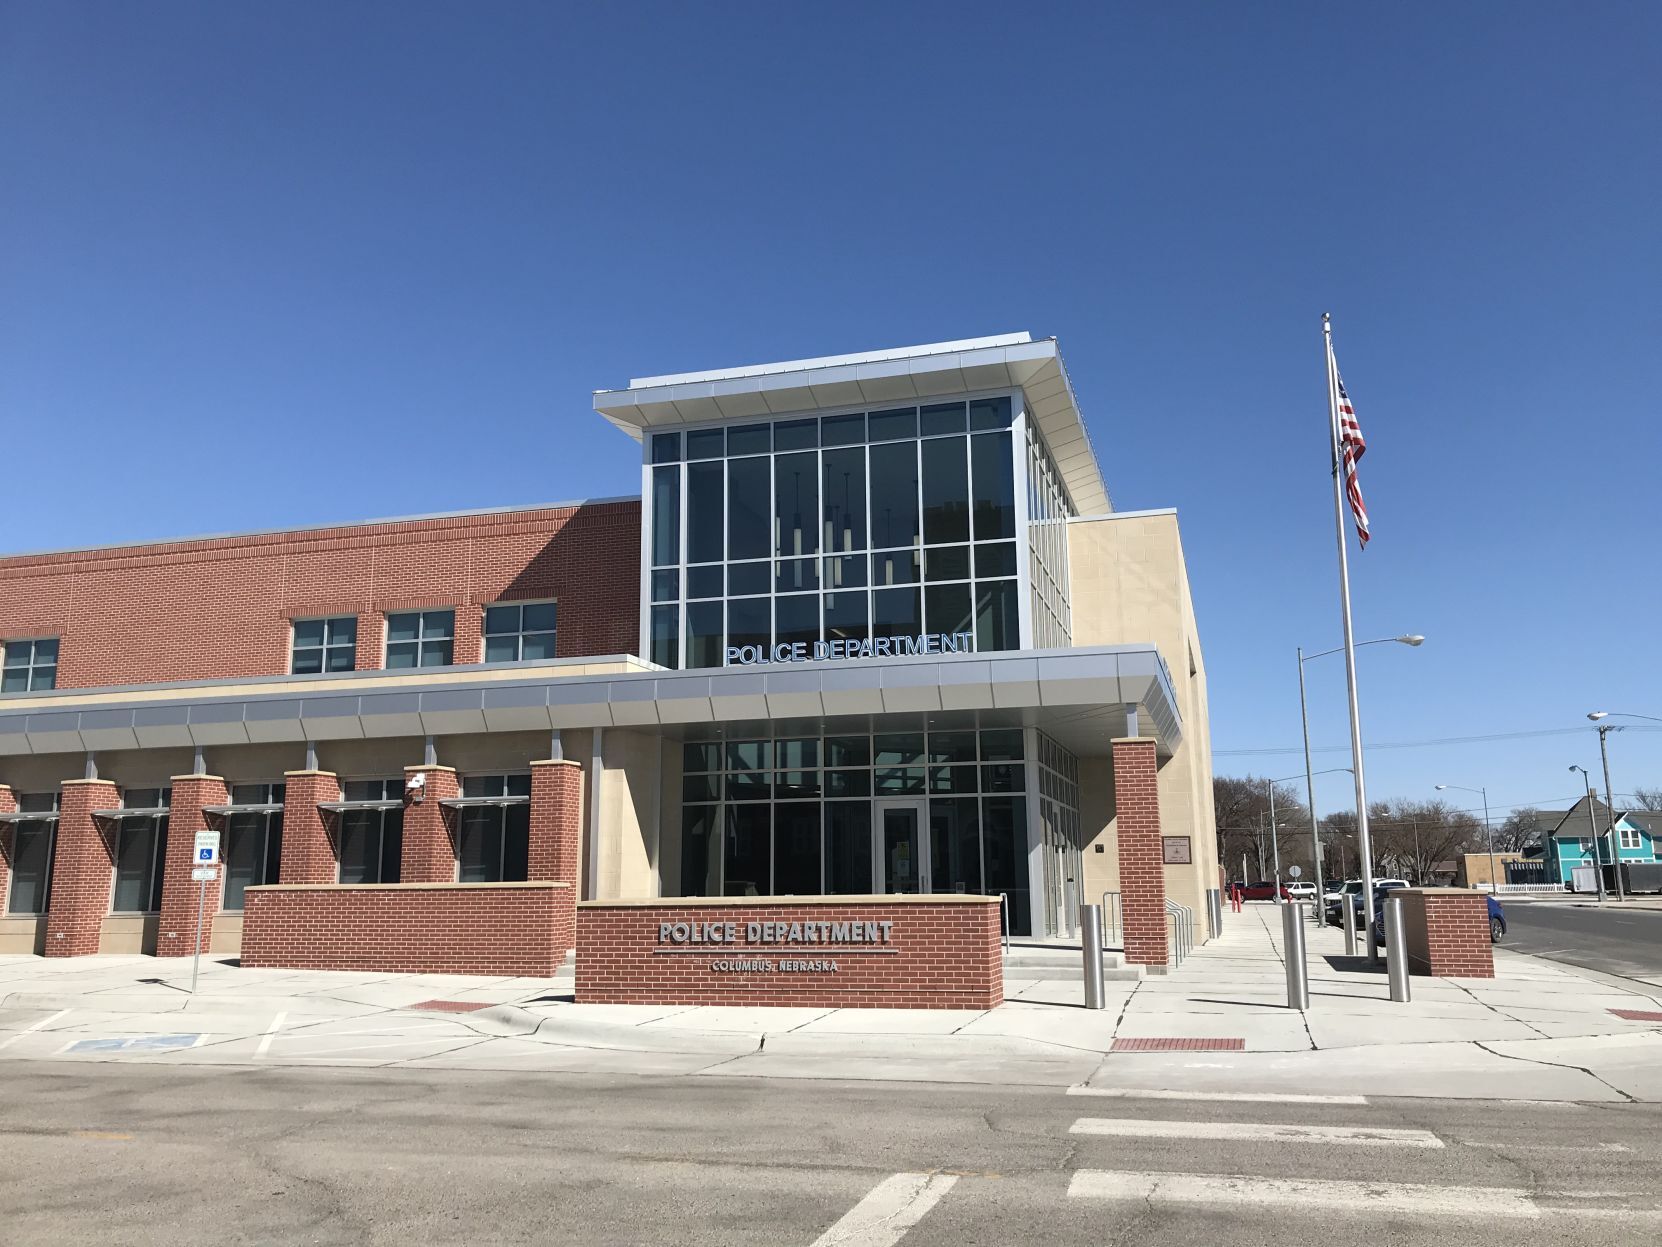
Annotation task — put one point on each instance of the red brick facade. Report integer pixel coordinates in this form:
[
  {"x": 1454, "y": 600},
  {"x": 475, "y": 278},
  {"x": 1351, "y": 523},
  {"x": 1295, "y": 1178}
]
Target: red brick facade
[
  {"x": 1142, "y": 869},
  {"x": 83, "y": 869},
  {"x": 1447, "y": 932},
  {"x": 310, "y": 852},
  {"x": 429, "y": 828},
  {"x": 8, "y": 805},
  {"x": 937, "y": 953},
  {"x": 175, "y": 936},
  {"x": 507, "y": 929},
  {"x": 556, "y": 820},
  {"x": 220, "y": 608}
]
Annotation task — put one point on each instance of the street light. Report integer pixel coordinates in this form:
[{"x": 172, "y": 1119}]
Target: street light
[
  {"x": 1604, "y": 729},
  {"x": 1275, "y": 841},
  {"x": 1598, "y": 853},
  {"x": 1489, "y": 829},
  {"x": 1413, "y": 639}
]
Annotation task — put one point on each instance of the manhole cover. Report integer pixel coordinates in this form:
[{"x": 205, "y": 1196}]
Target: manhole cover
[{"x": 1165, "y": 1044}]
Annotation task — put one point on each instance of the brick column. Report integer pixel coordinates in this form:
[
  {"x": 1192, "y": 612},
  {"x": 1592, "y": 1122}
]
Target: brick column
[
  {"x": 429, "y": 846},
  {"x": 179, "y": 891},
  {"x": 83, "y": 869},
  {"x": 1142, "y": 872},
  {"x": 8, "y": 838},
  {"x": 556, "y": 821},
  {"x": 309, "y": 852}
]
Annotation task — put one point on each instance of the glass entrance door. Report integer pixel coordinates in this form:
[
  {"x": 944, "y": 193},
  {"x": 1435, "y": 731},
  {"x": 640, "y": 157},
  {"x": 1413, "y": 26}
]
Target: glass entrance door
[{"x": 900, "y": 850}]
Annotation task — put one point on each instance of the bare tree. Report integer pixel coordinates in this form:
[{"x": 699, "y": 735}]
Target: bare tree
[
  {"x": 1409, "y": 838},
  {"x": 1242, "y": 808},
  {"x": 1648, "y": 798},
  {"x": 1520, "y": 830}
]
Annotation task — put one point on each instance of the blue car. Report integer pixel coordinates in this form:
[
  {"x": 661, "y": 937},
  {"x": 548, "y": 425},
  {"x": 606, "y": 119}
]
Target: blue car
[{"x": 1497, "y": 922}]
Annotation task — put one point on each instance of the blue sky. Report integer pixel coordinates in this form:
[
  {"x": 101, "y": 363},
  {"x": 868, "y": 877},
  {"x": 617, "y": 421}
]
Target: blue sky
[{"x": 269, "y": 265}]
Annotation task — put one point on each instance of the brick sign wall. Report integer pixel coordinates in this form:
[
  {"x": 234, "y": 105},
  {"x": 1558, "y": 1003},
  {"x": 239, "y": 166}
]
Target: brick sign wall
[
  {"x": 1447, "y": 932},
  {"x": 931, "y": 952},
  {"x": 404, "y": 928}
]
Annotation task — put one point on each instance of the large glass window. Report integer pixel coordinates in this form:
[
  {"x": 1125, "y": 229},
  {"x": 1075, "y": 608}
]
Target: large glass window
[
  {"x": 835, "y": 519},
  {"x": 31, "y": 856},
  {"x": 324, "y": 645},
  {"x": 372, "y": 840},
  {"x": 421, "y": 638},
  {"x": 519, "y": 632},
  {"x": 495, "y": 840},
  {"x": 253, "y": 840},
  {"x": 29, "y": 666},
  {"x": 140, "y": 849}
]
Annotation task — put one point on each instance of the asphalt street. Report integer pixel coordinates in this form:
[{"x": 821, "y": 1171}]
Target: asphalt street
[
  {"x": 1615, "y": 939},
  {"x": 125, "y": 1154}
]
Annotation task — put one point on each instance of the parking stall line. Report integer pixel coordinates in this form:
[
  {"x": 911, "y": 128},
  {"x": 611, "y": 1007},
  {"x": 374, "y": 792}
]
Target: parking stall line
[
  {"x": 888, "y": 1210},
  {"x": 270, "y": 1034},
  {"x": 1419, "y": 1199},
  {"x": 1254, "y": 1132},
  {"x": 1222, "y": 1097},
  {"x": 30, "y": 1029}
]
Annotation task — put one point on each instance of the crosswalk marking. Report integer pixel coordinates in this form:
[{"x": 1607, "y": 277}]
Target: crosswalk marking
[
  {"x": 888, "y": 1210},
  {"x": 1223, "y": 1097},
  {"x": 1251, "y": 1131},
  {"x": 1358, "y": 1197}
]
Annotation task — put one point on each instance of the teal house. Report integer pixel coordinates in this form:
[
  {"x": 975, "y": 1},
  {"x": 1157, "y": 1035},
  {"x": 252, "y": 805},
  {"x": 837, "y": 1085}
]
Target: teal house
[{"x": 1568, "y": 839}]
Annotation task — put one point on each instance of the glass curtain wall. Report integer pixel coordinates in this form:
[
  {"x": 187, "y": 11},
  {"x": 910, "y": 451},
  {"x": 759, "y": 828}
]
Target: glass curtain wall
[
  {"x": 1048, "y": 509},
  {"x": 848, "y": 527},
  {"x": 1059, "y": 822},
  {"x": 782, "y": 817}
]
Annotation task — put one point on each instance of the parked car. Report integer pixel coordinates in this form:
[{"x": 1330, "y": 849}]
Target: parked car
[
  {"x": 1334, "y": 915},
  {"x": 1261, "y": 891},
  {"x": 1302, "y": 890},
  {"x": 1497, "y": 922},
  {"x": 1338, "y": 889}
]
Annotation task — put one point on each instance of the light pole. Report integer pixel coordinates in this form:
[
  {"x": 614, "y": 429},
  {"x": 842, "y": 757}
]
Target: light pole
[
  {"x": 1598, "y": 853},
  {"x": 1315, "y": 840},
  {"x": 1488, "y": 827},
  {"x": 1414, "y": 640},
  {"x": 1604, "y": 729}
]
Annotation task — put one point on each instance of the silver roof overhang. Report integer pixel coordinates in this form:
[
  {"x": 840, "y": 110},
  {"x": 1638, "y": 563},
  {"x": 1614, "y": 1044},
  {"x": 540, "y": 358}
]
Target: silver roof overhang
[
  {"x": 937, "y": 371},
  {"x": 1082, "y": 696}
]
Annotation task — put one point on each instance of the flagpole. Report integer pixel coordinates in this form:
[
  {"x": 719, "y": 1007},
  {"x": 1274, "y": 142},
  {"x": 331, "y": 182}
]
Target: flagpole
[{"x": 1364, "y": 843}]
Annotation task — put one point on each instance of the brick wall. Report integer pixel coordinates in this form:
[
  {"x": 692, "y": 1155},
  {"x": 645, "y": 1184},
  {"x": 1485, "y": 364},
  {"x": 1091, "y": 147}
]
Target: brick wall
[
  {"x": 556, "y": 820},
  {"x": 1447, "y": 932},
  {"x": 430, "y": 850},
  {"x": 177, "y": 930},
  {"x": 214, "y": 609},
  {"x": 83, "y": 869},
  {"x": 507, "y": 929},
  {"x": 310, "y": 852},
  {"x": 942, "y": 953},
  {"x": 8, "y": 804},
  {"x": 1142, "y": 869}
]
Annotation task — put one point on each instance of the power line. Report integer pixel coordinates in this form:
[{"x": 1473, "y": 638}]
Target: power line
[{"x": 1420, "y": 744}]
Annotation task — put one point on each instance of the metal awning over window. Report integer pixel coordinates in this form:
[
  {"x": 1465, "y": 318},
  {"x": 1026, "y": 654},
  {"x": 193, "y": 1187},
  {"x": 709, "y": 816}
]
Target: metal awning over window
[
  {"x": 344, "y": 807},
  {"x": 250, "y": 807},
  {"x": 469, "y": 803},
  {"x": 150, "y": 811},
  {"x": 30, "y": 816}
]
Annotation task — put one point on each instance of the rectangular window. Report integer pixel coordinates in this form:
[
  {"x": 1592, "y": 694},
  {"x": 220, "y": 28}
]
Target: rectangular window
[
  {"x": 253, "y": 841},
  {"x": 421, "y": 638},
  {"x": 519, "y": 632},
  {"x": 1631, "y": 839},
  {"x": 140, "y": 849},
  {"x": 29, "y": 666},
  {"x": 494, "y": 840},
  {"x": 325, "y": 645},
  {"x": 31, "y": 858},
  {"x": 372, "y": 841},
  {"x": 666, "y": 516}
]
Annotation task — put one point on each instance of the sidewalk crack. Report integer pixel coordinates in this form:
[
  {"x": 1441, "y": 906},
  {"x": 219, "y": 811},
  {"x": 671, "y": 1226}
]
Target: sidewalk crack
[{"x": 1535, "y": 1060}]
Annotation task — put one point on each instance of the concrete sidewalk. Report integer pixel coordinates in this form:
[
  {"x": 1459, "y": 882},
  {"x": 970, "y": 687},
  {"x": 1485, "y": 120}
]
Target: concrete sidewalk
[{"x": 1538, "y": 1031}]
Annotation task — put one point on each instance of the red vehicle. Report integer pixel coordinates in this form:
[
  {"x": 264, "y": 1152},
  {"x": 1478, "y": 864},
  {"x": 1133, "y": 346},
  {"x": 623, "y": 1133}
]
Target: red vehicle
[{"x": 1262, "y": 891}]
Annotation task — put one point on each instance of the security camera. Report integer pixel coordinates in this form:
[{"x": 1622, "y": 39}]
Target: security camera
[{"x": 415, "y": 786}]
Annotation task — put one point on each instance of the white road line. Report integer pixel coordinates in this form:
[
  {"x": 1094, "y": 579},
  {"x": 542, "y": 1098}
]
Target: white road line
[
  {"x": 1228, "y": 1097},
  {"x": 270, "y": 1034},
  {"x": 6, "y": 1043},
  {"x": 1254, "y": 1132},
  {"x": 889, "y": 1209},
  {"x": 1550, "y": 1147},
  {"x": 1466, "y": 1202}
]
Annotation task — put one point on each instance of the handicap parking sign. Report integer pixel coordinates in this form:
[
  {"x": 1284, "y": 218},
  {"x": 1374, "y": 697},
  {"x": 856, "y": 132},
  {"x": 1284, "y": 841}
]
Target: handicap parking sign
[
  {"x": 207, "y": 848},
  {"x": 205, "y": 855}
]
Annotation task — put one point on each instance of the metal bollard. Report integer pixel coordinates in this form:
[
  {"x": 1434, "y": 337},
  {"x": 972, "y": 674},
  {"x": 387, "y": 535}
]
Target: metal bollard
[
  {"x": 1396, "y": 952},
  {"x": 1347, "y": 916},
  {"x": 1292, "y": 948},
  {"x": 1214, "y": 911},
  {"x": 1090, "y": 943}
]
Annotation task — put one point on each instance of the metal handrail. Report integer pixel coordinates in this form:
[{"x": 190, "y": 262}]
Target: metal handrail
[
  {"x": 1182, "y": 920},
  {"x": 1113, "y": 918},
  {"x": 1004, "y": 917}
]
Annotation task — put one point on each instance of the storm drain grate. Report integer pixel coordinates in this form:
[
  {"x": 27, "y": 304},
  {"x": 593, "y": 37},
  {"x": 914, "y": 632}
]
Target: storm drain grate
[
  {"x": 451, "y": 1006},
  {"x": 1638, "y": 1015},
  {"x": 1172, "y": 1044}
]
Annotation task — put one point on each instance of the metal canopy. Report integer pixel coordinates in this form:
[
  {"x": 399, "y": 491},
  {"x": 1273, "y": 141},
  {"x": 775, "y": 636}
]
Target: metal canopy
[
  {"x": 153, "y": 811},
  {"x": 1087, "y": 692},
  {"x": 343, "y": 807},
  {"x": 939, "y": 370},
  {"x": 263, "y": 807},
  {"x": 469, "y": 803},
  {"x": 29, "y": 816}
]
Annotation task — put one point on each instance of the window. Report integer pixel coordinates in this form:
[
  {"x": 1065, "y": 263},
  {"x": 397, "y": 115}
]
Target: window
[
  {"x": 253, "y": 840},
  {"x": 1631, "y": 838},
  {"x": 140, "y": 849},
  {"x": 495, "y": 840},
  {"x": 421, "y": 638},
  {"x": 519, "y": 633},
  {"x": 325, "y": 645},
  {"x": 372, "y": 840},
  {"x": 30, "y": 666},
  {"x": 32, "y": 854}
]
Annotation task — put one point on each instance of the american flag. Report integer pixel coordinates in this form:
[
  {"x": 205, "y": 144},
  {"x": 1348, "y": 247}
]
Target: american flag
[{"x": 1351, "y": 449}]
